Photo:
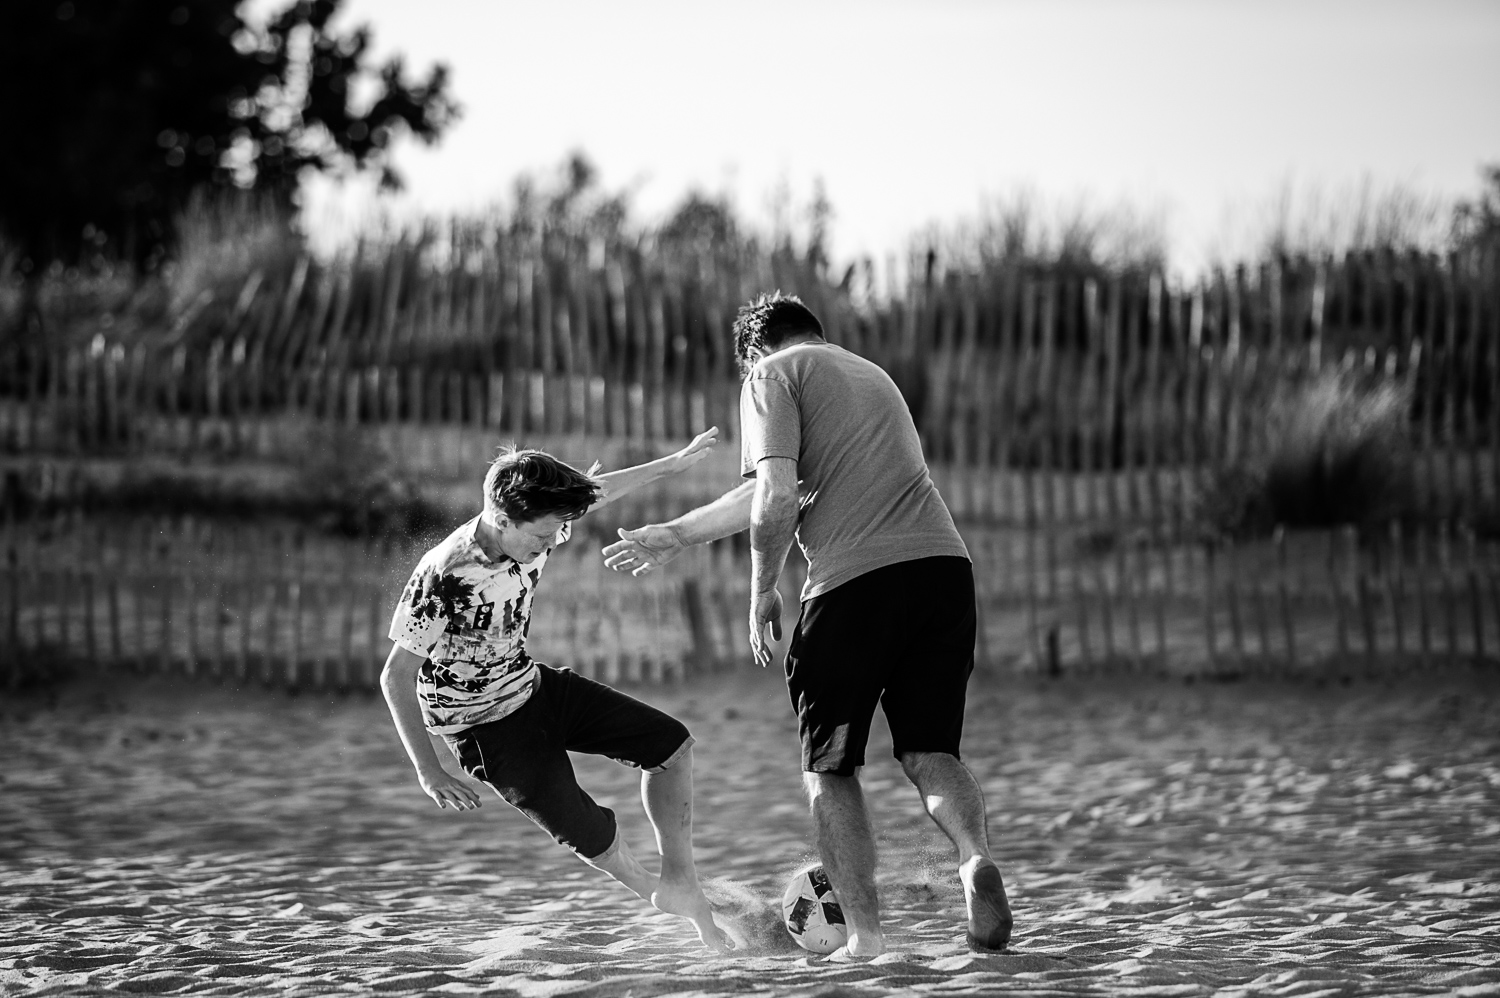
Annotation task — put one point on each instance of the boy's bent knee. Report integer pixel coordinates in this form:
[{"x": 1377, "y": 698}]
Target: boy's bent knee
[
  {"x": 603, "y": 860},
  {"x": 683, "y": 753}
]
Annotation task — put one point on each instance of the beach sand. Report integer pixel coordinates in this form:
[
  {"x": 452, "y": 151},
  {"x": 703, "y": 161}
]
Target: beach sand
[{"x": 162, "y": 836}]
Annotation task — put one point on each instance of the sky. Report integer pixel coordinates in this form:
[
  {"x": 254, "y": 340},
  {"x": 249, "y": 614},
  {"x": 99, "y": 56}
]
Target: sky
[{"x": 1192, "y": 114}]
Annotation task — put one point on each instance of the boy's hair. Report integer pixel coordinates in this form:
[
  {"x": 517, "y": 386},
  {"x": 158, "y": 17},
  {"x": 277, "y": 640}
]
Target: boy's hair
[
  {"x": 769, "y": 321},
  {"x": 527, "y": 484}
]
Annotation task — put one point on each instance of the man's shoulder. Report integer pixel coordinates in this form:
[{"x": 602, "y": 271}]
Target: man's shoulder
[{"x": 802, "y": 359}]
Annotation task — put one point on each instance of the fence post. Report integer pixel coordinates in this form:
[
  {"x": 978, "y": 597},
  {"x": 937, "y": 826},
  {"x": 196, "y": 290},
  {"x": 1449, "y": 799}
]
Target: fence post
[
  {"x": 1080, "y": 604},
  {"x": 694, "y": 612},
  {"x": 1424, "y": 617},
  {"x": 1236, "y": 621},
  {"x": 1335, "y": 582},
  {"x": 294, "y": 585},
  {"x": 1127, "y": 589},
  {"x": 1159, "y": 603},
  {"x": 1476, "y": 599},
  {"x": 374, "y": 660},
  {"x": 1106, "y": 609},
  {"x": 183, "y": 563},
  {"x": 1111, "y": 427},
  {"x": 1450, "y": 600},
  {"x": 1362, "y": 595},
  {"x": 1210, "y": 629},
  {"x": 1262, "y": 625},
  {"x": 1395, "y": 594},
  {"x": 14, "y": 655}
]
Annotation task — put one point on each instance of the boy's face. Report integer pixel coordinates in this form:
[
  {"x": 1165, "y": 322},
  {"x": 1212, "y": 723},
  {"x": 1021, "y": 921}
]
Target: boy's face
[{"x": 524, "y": 541}]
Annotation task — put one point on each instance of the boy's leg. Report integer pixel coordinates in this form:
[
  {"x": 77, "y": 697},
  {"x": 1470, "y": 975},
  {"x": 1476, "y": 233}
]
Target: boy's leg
[
  {"x": 620, "y": 863},
  {"x": 952, "y": 797},
  {"x": 524, "y": 759},
  {"x": 846, "y": 845},
  {"x": 601, "y": 720},
  {"x": 668, "y": 799}
]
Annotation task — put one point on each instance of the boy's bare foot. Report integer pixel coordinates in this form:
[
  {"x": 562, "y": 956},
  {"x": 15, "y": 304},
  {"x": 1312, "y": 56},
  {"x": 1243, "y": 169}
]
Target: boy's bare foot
[
  {"x": 989, "y": 910},
  {"x": 688, "y": 901}
]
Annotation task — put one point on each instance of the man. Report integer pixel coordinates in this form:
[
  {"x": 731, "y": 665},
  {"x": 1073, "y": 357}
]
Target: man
[
  {"x": 459, "y": 669},
  {"x": 888, "y": 611}
]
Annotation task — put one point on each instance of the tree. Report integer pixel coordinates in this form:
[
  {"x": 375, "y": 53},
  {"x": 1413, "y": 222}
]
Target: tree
[
  {"x": 130, "y": 106},
  {"x": 1476, "y": 223}
]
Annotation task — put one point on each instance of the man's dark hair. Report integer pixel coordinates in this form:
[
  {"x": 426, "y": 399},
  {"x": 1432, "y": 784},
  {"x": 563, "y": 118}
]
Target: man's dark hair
[
  {"x": 526, "y": 485},
  {"x": 770, "y": 321}
]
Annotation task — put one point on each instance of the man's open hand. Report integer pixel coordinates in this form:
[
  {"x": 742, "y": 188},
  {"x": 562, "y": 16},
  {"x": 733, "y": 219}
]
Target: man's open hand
[
  {"x": 765, "y": 608},
  {"x": 642, "y": 549}
]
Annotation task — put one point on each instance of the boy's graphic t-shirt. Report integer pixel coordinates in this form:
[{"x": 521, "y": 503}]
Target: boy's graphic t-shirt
[{"x": 472, "y": 631}]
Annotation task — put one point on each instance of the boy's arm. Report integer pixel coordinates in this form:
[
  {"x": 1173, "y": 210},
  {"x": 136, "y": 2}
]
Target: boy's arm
[
  {"x": 398, "y": 681},
  {"x": 640, "y": 550},
  {"x": 618, "y": 483}
]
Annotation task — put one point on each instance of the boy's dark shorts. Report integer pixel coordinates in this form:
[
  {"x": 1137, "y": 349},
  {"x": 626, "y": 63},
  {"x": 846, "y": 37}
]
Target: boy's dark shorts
[
  {"x": 901, "y": 635},
  {"x": 524, "y": 755}
]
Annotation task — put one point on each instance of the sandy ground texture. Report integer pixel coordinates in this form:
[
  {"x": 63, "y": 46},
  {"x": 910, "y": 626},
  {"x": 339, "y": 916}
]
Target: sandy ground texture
[{"x": 163, "y": 837}]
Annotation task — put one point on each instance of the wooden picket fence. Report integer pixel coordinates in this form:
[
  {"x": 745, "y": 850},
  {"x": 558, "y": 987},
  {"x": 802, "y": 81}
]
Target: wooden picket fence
[
  {"x": 288, "y": 608},
  {"x": 1121, "y": 391},
  {"x": 1071, "y": 421}
]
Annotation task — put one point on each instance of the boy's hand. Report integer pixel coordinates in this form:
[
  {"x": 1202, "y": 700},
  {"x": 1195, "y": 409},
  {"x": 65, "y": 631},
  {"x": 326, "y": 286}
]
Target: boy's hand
[
  {"x": 765, "y": 608},
  {"x": 642, "y": 549},
  {"x": 448, "y": 790},
  {"x": 695, "y": 451}
]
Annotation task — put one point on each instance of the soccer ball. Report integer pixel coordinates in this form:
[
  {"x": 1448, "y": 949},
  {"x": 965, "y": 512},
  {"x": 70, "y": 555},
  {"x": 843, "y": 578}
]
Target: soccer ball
[{"x": 811, "y": 912}]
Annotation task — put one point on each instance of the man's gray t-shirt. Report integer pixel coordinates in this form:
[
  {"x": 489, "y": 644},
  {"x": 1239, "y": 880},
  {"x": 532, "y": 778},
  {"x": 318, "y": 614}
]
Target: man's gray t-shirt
[{"x": 868, "y": 498}]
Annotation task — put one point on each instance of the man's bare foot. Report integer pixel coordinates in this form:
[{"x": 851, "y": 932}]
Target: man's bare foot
[
  {"x": 688, "y": 901},
  {"x": 861, "y": 946},
  {"x": 989, "y": 910}
]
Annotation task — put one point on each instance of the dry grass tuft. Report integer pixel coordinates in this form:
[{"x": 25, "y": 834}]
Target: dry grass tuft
[{"x": 1335, "y": 450}]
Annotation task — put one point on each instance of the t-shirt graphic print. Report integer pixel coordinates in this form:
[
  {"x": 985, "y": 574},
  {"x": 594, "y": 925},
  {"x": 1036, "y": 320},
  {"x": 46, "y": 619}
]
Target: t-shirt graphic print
[{"x": 472, "y": 630}]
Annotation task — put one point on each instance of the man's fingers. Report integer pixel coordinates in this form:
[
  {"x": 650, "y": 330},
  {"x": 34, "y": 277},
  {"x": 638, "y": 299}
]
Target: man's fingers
[{"x": 776, "y": 629}]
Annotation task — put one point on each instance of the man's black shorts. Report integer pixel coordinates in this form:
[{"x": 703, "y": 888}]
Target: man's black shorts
[
  {"x": 901, "y": 635},
  {"x": 524, "y": 755}
]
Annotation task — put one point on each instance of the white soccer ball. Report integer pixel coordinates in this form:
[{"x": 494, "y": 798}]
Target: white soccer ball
[{"x": 811, "y": 912}]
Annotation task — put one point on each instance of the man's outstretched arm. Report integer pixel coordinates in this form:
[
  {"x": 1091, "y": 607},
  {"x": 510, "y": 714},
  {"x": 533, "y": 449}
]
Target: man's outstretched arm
[{"x": 644, "y": 548}]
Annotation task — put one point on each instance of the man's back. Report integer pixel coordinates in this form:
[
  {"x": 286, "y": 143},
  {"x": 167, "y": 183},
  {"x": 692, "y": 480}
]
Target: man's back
[{"x": 870, "y": 500}]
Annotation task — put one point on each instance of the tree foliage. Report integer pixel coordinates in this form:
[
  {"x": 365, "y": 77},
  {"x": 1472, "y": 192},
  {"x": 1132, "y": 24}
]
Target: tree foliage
[
  {"x": 120, "y": 109},
  {"x": 1476, "y": 222}
]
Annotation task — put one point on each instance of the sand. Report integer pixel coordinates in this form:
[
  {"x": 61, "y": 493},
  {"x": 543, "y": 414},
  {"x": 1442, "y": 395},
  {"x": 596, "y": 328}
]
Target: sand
[{"x": 160, "y": 836}]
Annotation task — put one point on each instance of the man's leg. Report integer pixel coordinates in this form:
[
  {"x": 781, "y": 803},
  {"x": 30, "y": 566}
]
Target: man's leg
[
  {"x": 668, "y": 798},
  {"x": 952, "y": 797},
  {"x": 846, "y": 844}
]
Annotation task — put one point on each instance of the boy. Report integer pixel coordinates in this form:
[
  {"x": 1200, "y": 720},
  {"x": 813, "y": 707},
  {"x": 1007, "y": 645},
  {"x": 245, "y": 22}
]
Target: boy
[{"x": 459, "y": 669}]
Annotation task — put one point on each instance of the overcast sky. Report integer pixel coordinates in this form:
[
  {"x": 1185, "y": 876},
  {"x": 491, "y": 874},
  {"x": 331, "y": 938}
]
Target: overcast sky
[{"x": 1196, "y": 111}]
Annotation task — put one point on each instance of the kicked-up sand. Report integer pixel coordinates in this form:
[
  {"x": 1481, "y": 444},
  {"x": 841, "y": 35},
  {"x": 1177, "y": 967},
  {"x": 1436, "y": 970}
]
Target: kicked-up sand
[{"x": 161, "y": 836}]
